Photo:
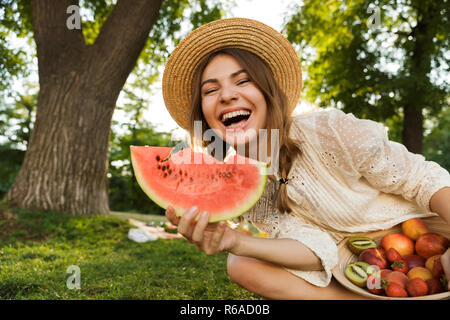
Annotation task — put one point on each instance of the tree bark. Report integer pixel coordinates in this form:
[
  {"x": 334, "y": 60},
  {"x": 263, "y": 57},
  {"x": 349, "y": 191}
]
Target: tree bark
[
  {"x": 412, "y": 134},
  {"x": 65, "y": 166},
  {"x": 415, "y": 98}
]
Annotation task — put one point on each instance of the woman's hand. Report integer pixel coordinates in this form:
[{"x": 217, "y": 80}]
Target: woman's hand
[
  {"x": 210, "y": 238},
  {"x": 445, "y": 260}
]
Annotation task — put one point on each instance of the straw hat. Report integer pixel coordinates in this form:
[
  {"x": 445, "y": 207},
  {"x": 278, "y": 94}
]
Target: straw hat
[{"x": 251, "y": 35}]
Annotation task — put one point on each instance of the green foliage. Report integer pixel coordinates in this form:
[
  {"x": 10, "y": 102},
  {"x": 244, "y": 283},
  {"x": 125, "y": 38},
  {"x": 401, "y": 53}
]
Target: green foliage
[
  {"x": 125, "y": 193},
  {"x": 167, "y": 33},
  {"x": 16, "y": 122},
  {"x": 16, "y": 119},
  {"x": 99, "y": 11},
  {"x": 370, "y": 69},
  {"x": 15, "y": 15},
  {"x": 15, "y": 19},
  {"x": 10, "y": 162},
  {"x": 437, "y": 142},
  {"x": 36, "y": 248}
]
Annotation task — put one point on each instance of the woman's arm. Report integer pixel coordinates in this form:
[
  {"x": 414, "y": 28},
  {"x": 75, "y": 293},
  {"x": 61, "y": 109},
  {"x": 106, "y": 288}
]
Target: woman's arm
[
  {"x": 212, "y": 238},
  {"x": 440, "y": 203},
  {"x": 289, "y": 253}
]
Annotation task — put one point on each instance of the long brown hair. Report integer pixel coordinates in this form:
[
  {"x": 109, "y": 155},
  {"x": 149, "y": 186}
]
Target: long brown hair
[{"x": 277, "y": 112}]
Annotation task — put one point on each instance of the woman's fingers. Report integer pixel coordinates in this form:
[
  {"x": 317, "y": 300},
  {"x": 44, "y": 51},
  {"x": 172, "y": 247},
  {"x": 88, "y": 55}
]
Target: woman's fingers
[
  {"x": 198, "y": 233},
  {"x": 206, "y": 236},
  {"x": 213, "y": 246},
  {"x": 186, "y": 223},
  {"x": 171, "y": 216}
]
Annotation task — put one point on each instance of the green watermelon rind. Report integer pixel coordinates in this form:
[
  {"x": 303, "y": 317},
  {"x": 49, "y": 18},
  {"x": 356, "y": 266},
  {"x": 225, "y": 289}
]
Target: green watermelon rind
[{"x": 179, "y": 211}]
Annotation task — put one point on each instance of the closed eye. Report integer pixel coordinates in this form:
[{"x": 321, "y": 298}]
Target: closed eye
[
  {"x": 209, "y": 91},
  {"x": 244, "y": 81}
]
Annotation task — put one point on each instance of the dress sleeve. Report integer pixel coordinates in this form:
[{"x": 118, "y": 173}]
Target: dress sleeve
[
  {"x": 316, "y": 240},
  {"x": 386, "y": 165},
  {"x": 266, "y": 218},
  {"x": 284, "y": 226}
]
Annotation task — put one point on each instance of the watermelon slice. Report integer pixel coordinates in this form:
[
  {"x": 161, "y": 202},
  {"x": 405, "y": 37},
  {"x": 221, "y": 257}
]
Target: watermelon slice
[{"x": 185, "y": 178}]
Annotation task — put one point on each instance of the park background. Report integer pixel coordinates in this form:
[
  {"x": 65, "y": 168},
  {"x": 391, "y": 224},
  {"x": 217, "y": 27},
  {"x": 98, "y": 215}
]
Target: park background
[{"x": 72, "y": 101}]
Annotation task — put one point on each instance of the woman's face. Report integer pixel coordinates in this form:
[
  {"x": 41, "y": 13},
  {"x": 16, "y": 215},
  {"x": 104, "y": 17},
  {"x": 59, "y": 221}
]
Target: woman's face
[{"x": 232, "y": 104}]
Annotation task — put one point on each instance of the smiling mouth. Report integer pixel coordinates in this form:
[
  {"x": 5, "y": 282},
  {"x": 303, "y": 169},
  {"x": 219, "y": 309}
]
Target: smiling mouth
[{"x": 235, "y": 119}]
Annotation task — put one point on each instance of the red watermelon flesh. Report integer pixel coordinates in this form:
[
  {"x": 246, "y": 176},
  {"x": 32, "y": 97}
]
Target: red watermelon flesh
[{"x": 224, "y": 189}]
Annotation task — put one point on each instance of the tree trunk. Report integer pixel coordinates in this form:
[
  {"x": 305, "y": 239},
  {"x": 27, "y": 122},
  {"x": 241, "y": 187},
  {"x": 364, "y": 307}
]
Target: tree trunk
[
  {"x": 65, "y": 166},
  {"x": 415, "y": 98},
  {"x": 412, "y": 135}
]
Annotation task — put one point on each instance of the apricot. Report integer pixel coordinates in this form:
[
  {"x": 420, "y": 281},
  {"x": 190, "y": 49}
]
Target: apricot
[
  {"x": 414, "y": 228},
  {"x": 420, "y": 272},
  {"x": 417, "y": 287},
  {"x": 399, "y": 242},
  {"x": 374, "y": 256},
  {"x": 435, "y": 266},
  {"x": 431, "y": 244},
  {"x": 396, "y": 277},
  {"x": 414, "y": 260},
  {"x": 434, "y": 286}
]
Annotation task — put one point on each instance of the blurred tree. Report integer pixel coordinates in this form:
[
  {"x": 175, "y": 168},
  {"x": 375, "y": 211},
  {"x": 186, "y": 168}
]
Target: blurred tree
[
  {"x": 386, "y": 60},
  {"x": 81, "y": 73},
  {"x": 16, "y": 120},
  {"x": 437, "y": 142},
  {"x": 125, "y": 193},
  {"x": 10, "y": 161},
  {"x": 13, "y": 59},
  {"x": 15, "y": 128}
]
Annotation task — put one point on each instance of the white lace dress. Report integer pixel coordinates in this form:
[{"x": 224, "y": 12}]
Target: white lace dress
[{"x": 350, "y": 178}]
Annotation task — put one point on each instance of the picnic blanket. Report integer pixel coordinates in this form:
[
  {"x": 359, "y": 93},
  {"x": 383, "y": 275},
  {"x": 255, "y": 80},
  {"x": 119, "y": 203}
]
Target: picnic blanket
[{"x": 144, "y": 232}]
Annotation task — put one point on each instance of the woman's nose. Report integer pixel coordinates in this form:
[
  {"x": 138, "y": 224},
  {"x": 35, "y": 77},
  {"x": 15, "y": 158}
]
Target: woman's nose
[{"x": 228, "y": 95}]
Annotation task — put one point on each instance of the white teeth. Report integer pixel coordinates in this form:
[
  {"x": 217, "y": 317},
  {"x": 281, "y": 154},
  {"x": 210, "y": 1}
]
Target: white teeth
[{"x": 235, "y": 114}]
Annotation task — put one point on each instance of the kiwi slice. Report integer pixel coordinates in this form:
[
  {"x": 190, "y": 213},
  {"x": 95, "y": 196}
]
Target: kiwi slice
[
  {"x": 363, "y": 265},
  {"x": 359, "y": 244},
  {"x": 356, "y": 275}
]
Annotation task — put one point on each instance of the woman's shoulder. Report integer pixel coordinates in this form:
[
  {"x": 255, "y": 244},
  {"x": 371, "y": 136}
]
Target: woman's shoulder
[
  {"x": 318, "y": 113},
  {"x": 332, "y": 122},
  {"x": 313, "y": 121}
]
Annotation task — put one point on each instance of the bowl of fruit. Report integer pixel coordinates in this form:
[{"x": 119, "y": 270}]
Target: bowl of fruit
[{"x": 403, "y": 262}]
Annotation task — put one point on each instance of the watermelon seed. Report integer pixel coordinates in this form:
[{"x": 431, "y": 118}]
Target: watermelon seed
[
  {"x": 170, "y": 171},
  {"x": 165, "y": 174},
  {"x": 158, "y": 158},
  {"x": 159, "y": 167},
  {"x": 163, "y": 168}
]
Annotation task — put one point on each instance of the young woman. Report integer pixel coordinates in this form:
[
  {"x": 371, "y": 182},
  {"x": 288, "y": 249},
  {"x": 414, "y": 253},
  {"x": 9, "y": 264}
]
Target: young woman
[{"x": 337, "y": 175}]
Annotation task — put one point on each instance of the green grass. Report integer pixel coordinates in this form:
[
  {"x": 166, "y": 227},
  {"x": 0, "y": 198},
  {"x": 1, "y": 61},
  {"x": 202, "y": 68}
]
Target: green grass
[{"x": 36, "y": 248}]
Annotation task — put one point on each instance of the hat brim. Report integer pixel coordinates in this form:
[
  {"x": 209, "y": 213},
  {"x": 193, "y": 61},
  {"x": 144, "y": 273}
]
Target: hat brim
[{"x": 247, "y": 34}]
